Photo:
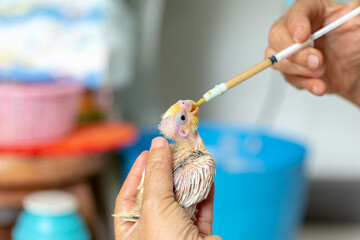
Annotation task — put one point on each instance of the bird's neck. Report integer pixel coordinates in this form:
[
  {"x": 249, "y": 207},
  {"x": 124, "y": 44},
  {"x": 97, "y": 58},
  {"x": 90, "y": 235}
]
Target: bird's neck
[{"x": 192, "y": 142}]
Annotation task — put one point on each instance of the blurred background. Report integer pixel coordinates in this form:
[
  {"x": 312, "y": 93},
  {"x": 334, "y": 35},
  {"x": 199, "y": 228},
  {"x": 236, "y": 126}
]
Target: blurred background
[{"x": 86, "y": 82}]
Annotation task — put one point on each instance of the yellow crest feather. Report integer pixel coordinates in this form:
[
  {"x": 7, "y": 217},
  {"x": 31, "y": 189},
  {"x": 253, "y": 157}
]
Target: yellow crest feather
[{"x": 174, "y": 109}]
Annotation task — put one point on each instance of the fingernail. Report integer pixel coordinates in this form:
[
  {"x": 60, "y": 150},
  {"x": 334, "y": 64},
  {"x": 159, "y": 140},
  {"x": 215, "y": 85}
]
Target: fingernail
[
  {"x": 316, "y": 90},
  {"x": 157, "y": 143},
  {"x": 313, "y": 61},
  {"x": 298, "y": 33}
]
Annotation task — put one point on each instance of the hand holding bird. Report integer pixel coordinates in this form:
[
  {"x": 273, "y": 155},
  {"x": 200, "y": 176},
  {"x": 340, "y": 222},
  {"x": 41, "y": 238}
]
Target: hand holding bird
[
  {"x": 161, "y": 216},
  {"x": 193, "y": 166},
  {"x": 171, "y": 197}
]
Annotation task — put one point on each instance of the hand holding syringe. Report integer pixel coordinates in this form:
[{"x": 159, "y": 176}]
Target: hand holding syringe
[{"x": 224, "y": 87}]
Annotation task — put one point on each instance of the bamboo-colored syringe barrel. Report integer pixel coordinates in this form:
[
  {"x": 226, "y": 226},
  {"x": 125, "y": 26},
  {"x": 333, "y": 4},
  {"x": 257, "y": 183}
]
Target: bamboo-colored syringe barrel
[
  {"x": 236, "y": 80},
  {"x": 248, "y": 73}
]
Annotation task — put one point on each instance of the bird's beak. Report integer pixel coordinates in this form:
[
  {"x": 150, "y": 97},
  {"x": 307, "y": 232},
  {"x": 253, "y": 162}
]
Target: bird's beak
[{"x": 195, "y": 111}]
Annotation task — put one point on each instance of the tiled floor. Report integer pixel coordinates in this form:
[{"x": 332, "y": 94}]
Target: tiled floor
[{"x": 330, "y": 232}]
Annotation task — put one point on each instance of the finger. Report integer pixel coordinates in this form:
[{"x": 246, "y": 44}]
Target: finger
[
  {"x": 288, "y": 67},
  {"x": 205, "y": 216},
  {"x": 213, "y": 237},
  {"x": 126, "y": 198},
  {"x": 309, "y": 57},
  {"x": 314, "y": 85},
  {"x": 300, "y": 16},
  {"x": 279, "y": 36},
  {"x": 283, "y": 34},
  {"x": 158, "y": 172}
]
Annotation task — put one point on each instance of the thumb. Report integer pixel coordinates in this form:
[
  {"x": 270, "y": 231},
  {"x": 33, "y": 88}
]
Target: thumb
[
  {"x": 158, "y": 171},
  {"x": 303, "y": 18}
]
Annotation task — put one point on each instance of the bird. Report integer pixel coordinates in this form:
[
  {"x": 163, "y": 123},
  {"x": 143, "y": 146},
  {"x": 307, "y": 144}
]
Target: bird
[{"x": 193, "y": 166}]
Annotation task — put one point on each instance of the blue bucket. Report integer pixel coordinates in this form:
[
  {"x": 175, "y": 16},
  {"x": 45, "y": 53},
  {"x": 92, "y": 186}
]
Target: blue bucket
[{"x": 260, "y": 181}]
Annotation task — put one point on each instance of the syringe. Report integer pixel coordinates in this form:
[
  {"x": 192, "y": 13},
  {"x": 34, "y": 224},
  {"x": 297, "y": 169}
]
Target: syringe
[{"x": 226, "y": 86}]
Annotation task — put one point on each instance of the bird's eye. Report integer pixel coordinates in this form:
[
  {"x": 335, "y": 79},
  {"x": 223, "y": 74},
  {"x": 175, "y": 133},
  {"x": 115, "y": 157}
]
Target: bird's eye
[{"x": 181, "y": 118}]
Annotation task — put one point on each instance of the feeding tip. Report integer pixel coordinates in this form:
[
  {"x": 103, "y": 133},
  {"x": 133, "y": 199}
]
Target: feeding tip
[
  {"x": 194, "y": 110},
  {"x": 196, "y": 106},
  {"x": 201, "y": 101}
]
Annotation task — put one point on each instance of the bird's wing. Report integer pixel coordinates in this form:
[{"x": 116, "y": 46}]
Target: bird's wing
[{"x": 193, "y": 178}]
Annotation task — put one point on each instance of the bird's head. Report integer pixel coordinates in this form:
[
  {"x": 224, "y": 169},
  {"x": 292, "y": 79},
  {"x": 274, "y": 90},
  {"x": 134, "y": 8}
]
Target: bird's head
[{"x": 179, "y": 122}]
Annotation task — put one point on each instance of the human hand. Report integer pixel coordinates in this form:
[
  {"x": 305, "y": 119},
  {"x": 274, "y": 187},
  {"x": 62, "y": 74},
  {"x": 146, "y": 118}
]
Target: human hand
[
  {"x": 161, "y": 216},
  {"x": 333, "y": 66}
]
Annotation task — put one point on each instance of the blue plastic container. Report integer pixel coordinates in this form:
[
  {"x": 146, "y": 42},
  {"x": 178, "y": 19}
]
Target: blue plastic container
[
  {"x": 52, "y": 217},
  {"x": 36, "y": 227},
  {"x": 260, "y": 181}
]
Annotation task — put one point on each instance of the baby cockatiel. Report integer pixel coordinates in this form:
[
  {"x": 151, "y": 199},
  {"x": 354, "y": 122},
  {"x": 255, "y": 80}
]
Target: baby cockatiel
[{"x": 193, "y": 166}]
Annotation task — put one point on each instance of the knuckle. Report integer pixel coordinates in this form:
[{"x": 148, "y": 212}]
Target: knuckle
[
  {"x": 153, "y": 164},
  {"x": 301, "y": 57},
  {"x": 275, "y": 32},
  {"x": 272, "y": 36},
  {"x": 156, "y": 160},
  {"x": 167, "y": 206},
  {"x": 152, "y": 172},
  {"x": 294, "y": 83}
]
